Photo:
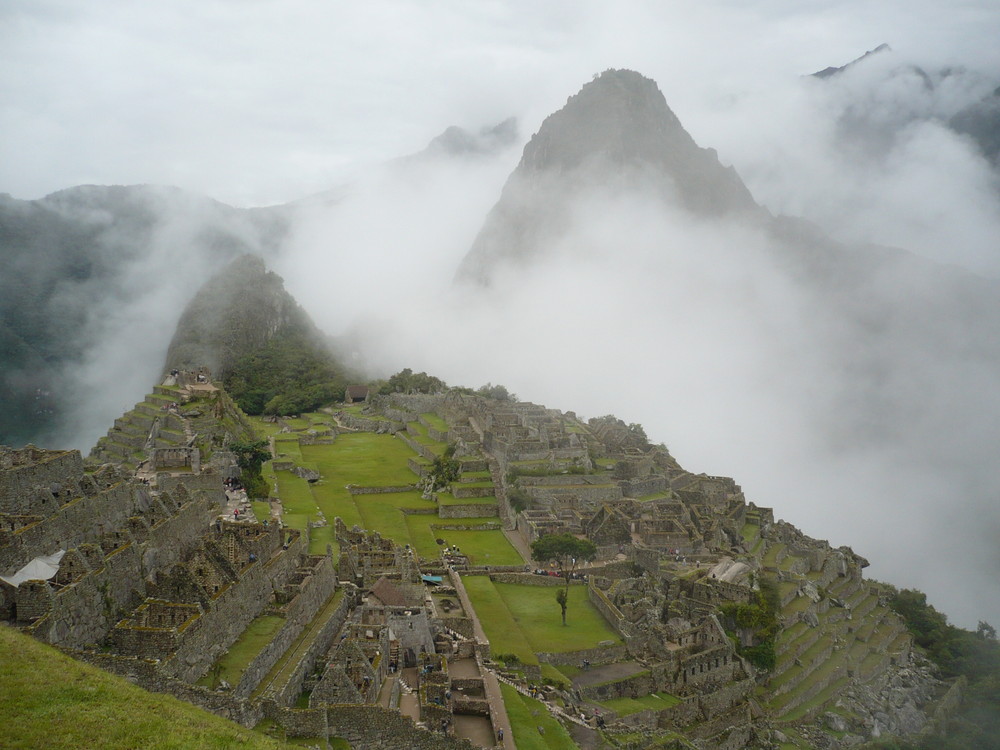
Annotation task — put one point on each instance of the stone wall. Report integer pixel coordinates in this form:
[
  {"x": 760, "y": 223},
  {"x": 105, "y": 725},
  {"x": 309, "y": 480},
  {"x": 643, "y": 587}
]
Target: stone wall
[
  {"x": 287, "y": 694},
  {"x": 611, "y": 613},
  {"x": 82, "y": 611},
  {"x": 378, "y": 728},
  {"x": 356, "y": 490},
  {"x": 531, "y": 579},
  {"x": 463, "y": 491},
  {"x": 298, "y": 615},
  {"x": 21, "y": 471},
  {"x": 461, "y": 625},
  {"x": 600, "y": 655},
  {"x": 72, "y": 524},
  {"x": 231, "y": 610},
  {"x": 630, "y": 687},
  {"x": 642, "y": 487},
  {"x": 472, "y": 510},
  {"x": 421, "y": 450},
  {"x": 206, "y": 481},
  {"x": 369, "y": 424}
]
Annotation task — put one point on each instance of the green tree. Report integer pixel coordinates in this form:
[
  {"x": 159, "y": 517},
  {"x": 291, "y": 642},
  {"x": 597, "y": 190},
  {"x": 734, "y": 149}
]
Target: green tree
[
  {"x": 444, "y": 470},
  {"x": 562, "y": 596},
  {"x": 567, "y": 552},
  {"x": 407, "y": 381},
  {"x": 250, "y": 457}
]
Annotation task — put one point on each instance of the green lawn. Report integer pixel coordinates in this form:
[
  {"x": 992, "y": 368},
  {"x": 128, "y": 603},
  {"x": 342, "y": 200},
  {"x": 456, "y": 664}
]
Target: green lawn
[
  {"x": 295, "y": 493},
  {"x": 526, "y": 620},
  {"x": 370, "y": 460},
  {"x": 48, "y": 700},
  {"x": 363, "y": 458},
  {"x": 233, "y": 663},
  {"x": 526, "y": 716},
  {"x": 482, "y": 547},
  {"x": 497, "y": 620},
  {"x": 446, "y": 498},
  {"x": 537, "y": 614}
]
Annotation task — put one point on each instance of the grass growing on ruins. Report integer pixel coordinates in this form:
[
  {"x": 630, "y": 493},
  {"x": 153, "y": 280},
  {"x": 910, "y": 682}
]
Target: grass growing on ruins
[
  {"x": 48, "y": 700},
  {"x": 319, "y": 538},
  {"x": 296, "y": 497},
  {"x": 235, "y": 661},
  {"x": 655, "y": 701},
  {"x": 282, "y": 669},
  {"x": 526, "y": 716},
  {"x": 435, "y": 421}
]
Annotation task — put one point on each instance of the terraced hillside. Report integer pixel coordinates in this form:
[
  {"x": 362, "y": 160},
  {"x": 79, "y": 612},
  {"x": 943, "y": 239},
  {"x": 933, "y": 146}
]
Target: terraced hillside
[
  {"x": 372, "y": 480},
  {"x": 172, "y": 417},
  {"x": 837, "y": 634}
]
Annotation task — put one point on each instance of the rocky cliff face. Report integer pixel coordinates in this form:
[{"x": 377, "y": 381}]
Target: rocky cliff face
[{"x": 616, "y": 133}]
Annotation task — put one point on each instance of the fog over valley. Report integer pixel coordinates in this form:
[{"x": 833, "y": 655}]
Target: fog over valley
[{"x": 820, "y": 322}]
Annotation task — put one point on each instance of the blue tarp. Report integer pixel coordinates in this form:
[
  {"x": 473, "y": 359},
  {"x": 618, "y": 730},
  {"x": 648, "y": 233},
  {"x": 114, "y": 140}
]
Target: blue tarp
[{"x": 431, "y": 579}]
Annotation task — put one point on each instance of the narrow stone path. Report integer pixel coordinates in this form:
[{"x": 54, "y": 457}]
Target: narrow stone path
[{"x": 385, "y": 693}]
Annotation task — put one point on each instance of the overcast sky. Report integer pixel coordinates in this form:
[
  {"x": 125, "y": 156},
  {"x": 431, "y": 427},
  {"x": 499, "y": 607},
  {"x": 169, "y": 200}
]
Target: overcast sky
[{"x": 264, "y": 101}]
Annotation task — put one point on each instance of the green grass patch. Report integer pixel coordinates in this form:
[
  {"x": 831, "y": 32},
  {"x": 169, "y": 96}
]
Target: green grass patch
[
  {"x": 295, "y": 493},
  {"x": 320, "y": 537},
  {"x": 537, "y": 614},
  {"x": 771, "y": 558},
  {"x": 498, "y": 622},
  {"x": 526, "y": 716},
  {"x": 626, "y": 706},
  {"x": 654, "y": 496},
  {"x": 435, "y": 421},
  {"x": 483, "y": 547},
  {"x": 51, "y": 701},
  {"x": 235, "y": 661},
  {"x": 750, "y": 532},
  {"x": 261, "y": 510},
  {"x": 364, "y": 459}
]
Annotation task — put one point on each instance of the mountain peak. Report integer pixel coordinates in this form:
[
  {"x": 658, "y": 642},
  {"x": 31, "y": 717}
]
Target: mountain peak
[
  {"x": 616, "y": 131},
  {"x": 832, "y": 71}
]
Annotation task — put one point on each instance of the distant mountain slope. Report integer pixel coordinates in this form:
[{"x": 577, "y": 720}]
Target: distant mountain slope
[
  {"x": 616, "y": 132},
  {"x": 76, "y": 263},
  {"x": 944, "y": 92},
  {"x": 254, "y": 336}
]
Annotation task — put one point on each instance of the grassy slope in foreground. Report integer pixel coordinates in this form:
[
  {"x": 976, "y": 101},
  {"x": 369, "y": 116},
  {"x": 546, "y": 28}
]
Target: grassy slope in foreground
[{"x": 49, "y": 700}]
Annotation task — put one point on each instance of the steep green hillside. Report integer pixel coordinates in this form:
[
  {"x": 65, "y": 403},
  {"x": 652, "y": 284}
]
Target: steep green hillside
[
  {"x": 253, "y": 336},
  {"x": 48, "y": 700}
]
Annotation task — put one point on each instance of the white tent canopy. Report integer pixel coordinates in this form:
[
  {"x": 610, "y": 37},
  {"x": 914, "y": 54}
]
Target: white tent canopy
[{"x": 39, "y": 569}]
